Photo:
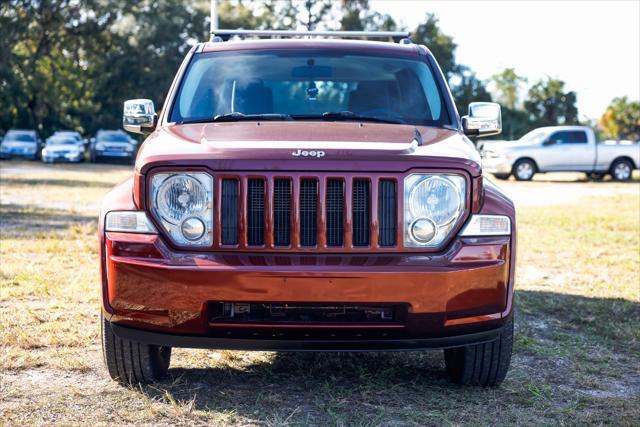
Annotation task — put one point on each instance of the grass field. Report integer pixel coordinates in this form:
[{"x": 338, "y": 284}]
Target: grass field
[{"x": 576, "y": 357}]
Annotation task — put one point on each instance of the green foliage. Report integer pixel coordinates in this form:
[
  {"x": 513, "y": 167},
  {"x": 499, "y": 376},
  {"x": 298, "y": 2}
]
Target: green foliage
[
  {"x": 466, "y": 88},
  {"x": 507, "y": 85},
  {"x": 356, "y": 16},
  {"x": 441, "y": 45},
  {"x": 621, "y": 120},
  {"x": 549, "y": 105},
  {"x": 515, "y": 123},
  {"x": 70, "y": 64}
]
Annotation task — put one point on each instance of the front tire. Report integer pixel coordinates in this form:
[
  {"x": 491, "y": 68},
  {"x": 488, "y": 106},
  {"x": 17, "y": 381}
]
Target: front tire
[
  {"x": 131, "y": 362},
  {"x": 621, "y": 170},
  {"x": 524, "y": 170},
  {"x": 502, "y": 176},
  {"x": 483, "y": 365}
]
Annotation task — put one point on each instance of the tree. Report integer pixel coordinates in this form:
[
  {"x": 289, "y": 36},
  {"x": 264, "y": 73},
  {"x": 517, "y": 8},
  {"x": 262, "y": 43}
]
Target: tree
[
  {"x": 441, "y": 45},
  {"x": 621, "y": 120},
  {"x": 356, "y": 16},
  {"x": 507, "y": 85},
  {"x": 467, "y": 88},
  {"x": 549, "y": 105}
]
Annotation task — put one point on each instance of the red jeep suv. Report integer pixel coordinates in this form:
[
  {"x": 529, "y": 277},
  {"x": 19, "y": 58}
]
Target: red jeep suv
[{"x": 306, "y": 194}]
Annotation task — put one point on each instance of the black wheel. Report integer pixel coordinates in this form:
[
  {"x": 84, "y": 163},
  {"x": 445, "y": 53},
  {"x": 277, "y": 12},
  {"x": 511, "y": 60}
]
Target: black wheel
[
  {"x": 481, "y": 364},
  {"x": 621, "y": 170},
  {"x": 130, "y": 362},
  {"x": 502, "y": 176},
  {"x": 524, "y": 170}
]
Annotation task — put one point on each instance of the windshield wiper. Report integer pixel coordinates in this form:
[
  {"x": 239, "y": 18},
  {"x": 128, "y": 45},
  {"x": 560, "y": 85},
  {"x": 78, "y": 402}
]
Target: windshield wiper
[
  {"x": 237, "y": 117},
  {"x": 350, "y": 115}
]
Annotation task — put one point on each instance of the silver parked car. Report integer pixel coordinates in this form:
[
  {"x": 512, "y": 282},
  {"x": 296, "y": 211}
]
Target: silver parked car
[
  {"x": 112, "y": 144},
  {"x": 560, "y": 149},
  {"x": 63, "y": 148},
  {"x": 22, "y": 143}
]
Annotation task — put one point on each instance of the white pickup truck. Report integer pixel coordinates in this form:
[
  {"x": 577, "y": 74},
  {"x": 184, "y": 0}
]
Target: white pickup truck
[{"x": 560, "y": 149}]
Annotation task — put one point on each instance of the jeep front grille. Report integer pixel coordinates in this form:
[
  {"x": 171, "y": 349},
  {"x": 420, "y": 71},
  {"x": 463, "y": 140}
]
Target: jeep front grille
[{"x": 319, "y": 213}]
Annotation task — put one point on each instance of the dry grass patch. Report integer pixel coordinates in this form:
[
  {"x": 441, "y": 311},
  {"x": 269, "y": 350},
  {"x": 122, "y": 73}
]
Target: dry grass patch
[{"x": 575, "y": 362}]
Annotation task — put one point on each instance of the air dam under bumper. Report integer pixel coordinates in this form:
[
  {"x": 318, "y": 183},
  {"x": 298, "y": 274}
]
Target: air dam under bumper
[
  {"x": 284, "y": 344},
  {"x": 150, "y": 287}
]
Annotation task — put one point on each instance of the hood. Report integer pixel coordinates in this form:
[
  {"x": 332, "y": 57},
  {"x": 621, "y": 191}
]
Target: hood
[{"x": 307, "y": 146}]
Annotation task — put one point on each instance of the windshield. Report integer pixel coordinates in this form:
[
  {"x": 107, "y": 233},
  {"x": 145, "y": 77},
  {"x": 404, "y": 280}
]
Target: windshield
[
  {"x": 308, "y": 83},
  {"x": 73, "y": 135},
  {"x": 21, "y": 137},
  {"x": 533, "y": 137},
  {"x": 113, "y": 137}
]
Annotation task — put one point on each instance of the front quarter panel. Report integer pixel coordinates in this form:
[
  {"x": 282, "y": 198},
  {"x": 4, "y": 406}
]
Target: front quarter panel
[
  {"x": 120, "y": 198},
  {"x": 496, "y": 202}
]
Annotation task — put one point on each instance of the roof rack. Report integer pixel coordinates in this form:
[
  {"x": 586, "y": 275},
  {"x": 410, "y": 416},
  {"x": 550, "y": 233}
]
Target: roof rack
[{"x": 224, "y": 35}]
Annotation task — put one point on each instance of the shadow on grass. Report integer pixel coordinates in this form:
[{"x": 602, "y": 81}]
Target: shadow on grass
[
  {"x": 312, "y": 388},
  {"x": 21, "y": 221},
  {"x": 26, "y": 167},
  {"x": 57, "y": 182},
  {"x": 412, "y": 387}
]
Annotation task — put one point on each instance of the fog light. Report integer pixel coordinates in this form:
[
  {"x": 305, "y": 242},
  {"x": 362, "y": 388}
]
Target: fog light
[
  {"x": 193, "y": 228},
  {"x": 423, "y": 230}
]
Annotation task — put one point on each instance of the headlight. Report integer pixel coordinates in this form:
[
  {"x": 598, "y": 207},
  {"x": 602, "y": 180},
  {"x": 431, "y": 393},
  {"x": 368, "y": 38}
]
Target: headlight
[
  {"x": 99, "y": 146},
  {"x": 434, "y": 205},
  {"x": 182, "y": 202}
]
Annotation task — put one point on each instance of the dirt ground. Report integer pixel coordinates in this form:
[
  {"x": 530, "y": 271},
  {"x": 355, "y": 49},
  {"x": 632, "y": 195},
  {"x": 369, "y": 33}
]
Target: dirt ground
[{"x": 576, "y": 355}]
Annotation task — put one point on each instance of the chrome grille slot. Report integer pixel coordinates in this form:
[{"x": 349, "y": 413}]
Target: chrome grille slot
[
  {"x": 229, "y": 212},
  {"x": 387, "y": 222},
  {"x": 255, "y": 212},
  {"x": 335, "y": 212},
  {"x": 282, "y": 212},
  {"x": 308, "y": 211},
  {"x": 361, "y": 211}
]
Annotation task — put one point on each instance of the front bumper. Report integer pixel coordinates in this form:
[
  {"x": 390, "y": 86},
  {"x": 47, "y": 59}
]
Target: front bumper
[
  {"x": 151, "y": 287},
  {"x": 496, "y": 165},
  {"x": 121, "y": 154},
  {"x": 19, "y": 153},
  {"x": 62, "y": 157}
]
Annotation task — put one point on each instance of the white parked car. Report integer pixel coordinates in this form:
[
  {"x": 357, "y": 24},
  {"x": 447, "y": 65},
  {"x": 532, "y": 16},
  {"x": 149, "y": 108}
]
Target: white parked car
[
  {"x": 560, "y": 149},
  {"x": 63, "y": 148}
]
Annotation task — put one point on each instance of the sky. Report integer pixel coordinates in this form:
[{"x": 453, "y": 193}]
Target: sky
[{"x": 594, "y": 46}]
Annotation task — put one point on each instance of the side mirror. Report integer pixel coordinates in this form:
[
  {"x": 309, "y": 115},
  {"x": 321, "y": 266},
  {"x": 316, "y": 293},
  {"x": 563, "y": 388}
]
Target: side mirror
[
  {"x": 549, "y": 142},
  {"x": 139, "y": 116},
  {"x": 484, "y": 119}
]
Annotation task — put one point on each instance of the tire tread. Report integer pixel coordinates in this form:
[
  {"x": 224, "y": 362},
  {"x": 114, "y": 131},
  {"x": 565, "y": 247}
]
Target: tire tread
[
  {"x": 130, "y": 362},
  {"x": 483, "y": 364}
]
